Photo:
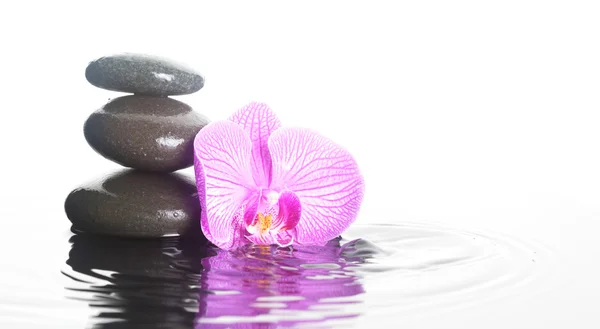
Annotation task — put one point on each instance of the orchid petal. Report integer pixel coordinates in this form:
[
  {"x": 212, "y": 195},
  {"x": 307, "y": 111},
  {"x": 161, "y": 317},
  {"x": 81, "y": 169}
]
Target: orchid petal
[
  {"x": 222, "y": 152},
  {"x": 289, "y": 213},
  {"x": 259, "y": 121},
  {"x": 325, "y": 178}
]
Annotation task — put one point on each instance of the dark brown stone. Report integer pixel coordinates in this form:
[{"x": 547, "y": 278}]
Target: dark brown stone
[
  {"x": 145, "y": 132},
  {"x": 144, "y": 75},
  {"x": 132, "y": 203}
]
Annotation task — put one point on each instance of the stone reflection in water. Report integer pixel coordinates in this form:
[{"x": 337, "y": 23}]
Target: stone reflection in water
[
  {"x": 137, "y": 283},
  {"x": 169, "y": 283}
]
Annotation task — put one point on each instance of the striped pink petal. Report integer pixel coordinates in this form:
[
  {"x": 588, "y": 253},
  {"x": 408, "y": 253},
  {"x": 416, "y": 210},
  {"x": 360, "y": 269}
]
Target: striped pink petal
[
  {"x": 324, "y": 177},
  {"x": 259, "y": 121},
  {"x": 222, "y": 160}
]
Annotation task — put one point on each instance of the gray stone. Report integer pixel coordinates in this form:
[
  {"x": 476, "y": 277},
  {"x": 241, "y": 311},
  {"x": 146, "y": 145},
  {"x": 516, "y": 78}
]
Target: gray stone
[
  {"x": 132, "y": 203},
  {"x": 145, "y": 132},
  {"x": 144, "y": 75}
]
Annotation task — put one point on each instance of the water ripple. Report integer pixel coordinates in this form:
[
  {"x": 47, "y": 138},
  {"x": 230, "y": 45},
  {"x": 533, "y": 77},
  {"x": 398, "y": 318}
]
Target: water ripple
[{"x": 172, "y": 283}]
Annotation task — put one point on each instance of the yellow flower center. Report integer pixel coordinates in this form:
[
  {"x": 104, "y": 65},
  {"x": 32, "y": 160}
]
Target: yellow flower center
[{"x": 264, "y": 222}]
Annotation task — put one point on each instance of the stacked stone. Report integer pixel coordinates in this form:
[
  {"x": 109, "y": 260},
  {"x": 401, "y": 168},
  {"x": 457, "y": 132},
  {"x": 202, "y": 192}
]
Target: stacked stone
[{"x": 149, "y": 132}]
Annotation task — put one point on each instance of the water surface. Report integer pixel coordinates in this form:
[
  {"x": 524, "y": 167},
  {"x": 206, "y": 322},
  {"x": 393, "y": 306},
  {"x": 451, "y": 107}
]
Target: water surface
[{"x": 379, "y": 269}]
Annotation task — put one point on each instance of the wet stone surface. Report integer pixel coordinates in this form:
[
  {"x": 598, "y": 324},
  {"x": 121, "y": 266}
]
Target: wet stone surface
[
  {"x": 132, "y": 203},
  {"x": 145, "y": 132},
  {"x": 143, "y": 74}
]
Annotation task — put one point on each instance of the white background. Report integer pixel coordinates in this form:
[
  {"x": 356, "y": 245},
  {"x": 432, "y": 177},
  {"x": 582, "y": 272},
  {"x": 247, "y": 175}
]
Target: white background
[{"x": 474, "y": 114}]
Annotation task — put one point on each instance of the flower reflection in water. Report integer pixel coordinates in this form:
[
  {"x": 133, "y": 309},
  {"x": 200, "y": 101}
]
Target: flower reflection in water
[
  {"x": 170, "y": 283},
  {"x": 266, "y": 283}
]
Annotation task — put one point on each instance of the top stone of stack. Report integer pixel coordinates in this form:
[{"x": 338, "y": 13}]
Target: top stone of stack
[{"x": 143, "y": 75}]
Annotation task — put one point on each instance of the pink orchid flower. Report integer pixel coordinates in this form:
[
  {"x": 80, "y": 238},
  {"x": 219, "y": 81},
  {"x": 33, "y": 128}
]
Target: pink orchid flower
[{"x": 263, "y": 184}]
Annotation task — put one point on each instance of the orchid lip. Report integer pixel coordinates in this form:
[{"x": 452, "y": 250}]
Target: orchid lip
[{"x": 268, "y": 219}]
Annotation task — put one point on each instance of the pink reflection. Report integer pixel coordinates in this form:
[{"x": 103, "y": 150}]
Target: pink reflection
[{"x": 287, "y": 284}]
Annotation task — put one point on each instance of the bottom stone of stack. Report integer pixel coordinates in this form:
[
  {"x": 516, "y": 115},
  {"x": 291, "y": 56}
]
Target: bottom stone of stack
[{"x": 131, "y": 203}]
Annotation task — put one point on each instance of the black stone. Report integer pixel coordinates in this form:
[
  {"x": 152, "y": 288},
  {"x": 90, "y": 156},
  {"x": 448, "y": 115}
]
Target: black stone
[
  {"x": 132, "y": 203},
  {"x": 145, "y": 132},
  {"x": 143, "y": 74}
]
